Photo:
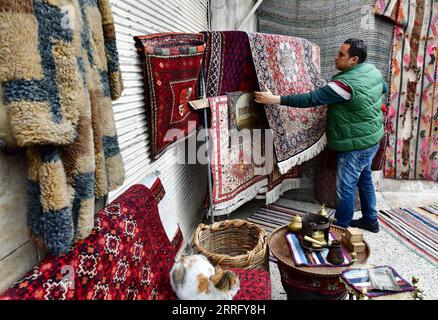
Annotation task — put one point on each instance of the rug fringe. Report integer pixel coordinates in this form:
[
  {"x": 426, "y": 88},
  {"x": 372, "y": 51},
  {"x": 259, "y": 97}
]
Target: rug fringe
[
  {"x": 243, "y": 197},
  {"x": 262, "y": 193},
  {"x": 313, "y": 151},
  {"x": 284, "y": 186}
]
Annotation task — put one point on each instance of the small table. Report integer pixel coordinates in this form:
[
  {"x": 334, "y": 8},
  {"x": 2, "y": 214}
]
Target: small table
[{"x": 322, "y": 283}]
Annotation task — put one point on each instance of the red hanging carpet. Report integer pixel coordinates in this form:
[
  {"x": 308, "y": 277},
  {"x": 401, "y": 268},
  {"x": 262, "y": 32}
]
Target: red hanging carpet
[
  {"x": 289, "y": 65},
  {"x": 172, "y": 62}
]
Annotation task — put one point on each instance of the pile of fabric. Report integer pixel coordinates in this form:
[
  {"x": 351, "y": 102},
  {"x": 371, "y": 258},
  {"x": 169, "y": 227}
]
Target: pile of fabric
[{"x": 127, "y": 256}]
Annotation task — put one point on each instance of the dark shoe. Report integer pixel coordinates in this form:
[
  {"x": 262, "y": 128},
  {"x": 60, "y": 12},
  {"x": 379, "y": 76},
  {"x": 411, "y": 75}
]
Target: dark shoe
[
  {"x": 365, "y": 225},
  {"x": 339, "y": 225}
]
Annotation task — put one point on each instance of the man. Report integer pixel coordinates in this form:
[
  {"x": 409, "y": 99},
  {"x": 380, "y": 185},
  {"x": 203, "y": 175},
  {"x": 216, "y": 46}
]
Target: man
[{"x": 354, "y": 128}]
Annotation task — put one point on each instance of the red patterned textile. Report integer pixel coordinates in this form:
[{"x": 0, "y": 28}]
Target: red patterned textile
[
  {"x": 379, "y": 158},
  {"x": 255, "y": 284},
  {"x": 228, "y": 63},
  {"x": 234, "y": 180},
  {"x": 172, "y": 62},
  {"x": 289, "y": 65},
  {"x": 126, "y": 257}
]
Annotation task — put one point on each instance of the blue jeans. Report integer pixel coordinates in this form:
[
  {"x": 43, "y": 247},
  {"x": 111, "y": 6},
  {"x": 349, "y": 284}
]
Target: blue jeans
[{"x": 354, "y": 169}]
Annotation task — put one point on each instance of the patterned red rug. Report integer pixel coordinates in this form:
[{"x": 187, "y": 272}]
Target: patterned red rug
[
  {"x": 234, "y": 180},
  {"x": 287, "y": 65},
  {"x": 228, "y": 63},
  {"x": 172, "y": 62},
  {"x": 280, "y": 183},
  {"x": 128, "y": 256}
]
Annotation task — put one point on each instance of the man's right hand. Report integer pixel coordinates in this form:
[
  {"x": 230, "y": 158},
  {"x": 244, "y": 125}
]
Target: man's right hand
[{"x": 266, "y": 97}]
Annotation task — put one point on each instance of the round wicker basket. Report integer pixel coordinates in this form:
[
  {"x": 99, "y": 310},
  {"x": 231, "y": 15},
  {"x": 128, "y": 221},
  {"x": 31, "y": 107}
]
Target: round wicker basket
[{"x": 233, "y": 244}]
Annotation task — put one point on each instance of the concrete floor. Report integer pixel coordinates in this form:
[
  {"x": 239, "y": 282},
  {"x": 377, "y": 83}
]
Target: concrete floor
[{"x": 385, "y": 249}]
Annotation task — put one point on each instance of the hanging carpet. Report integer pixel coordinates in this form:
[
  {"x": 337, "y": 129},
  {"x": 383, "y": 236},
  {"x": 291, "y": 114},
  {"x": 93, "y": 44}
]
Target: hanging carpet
[
  {"x": 172, "y": 62},
  {"x": 289, "y": 65},
  {"x": 412, "y": 151},
  {"x": 235, "y": 177},
  {"x": 328, "y": 23},
  {"x": 228, "y": 63},
  {"x": 59, "y": 72},
  {"x": 285, "y": 65},
  {"x": 325, "y": 170}
]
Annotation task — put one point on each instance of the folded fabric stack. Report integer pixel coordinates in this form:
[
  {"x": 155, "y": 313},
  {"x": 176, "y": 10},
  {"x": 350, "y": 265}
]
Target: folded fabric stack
[{"x": 305, "y": 257}]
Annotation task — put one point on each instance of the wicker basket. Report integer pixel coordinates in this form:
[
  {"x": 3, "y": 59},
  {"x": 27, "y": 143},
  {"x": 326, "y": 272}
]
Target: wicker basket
[{"x": 233, "y": 244}]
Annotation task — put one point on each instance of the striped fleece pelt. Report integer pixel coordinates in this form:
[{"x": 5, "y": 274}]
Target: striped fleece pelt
[
  {"x": 328, "y": 23},
  {"x": 59, "y": 72}
]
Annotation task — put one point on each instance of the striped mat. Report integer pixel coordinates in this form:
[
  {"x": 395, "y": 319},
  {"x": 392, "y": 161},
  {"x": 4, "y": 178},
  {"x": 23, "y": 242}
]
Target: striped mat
[
  {"x": 303, "y": 257},
  {"x": 272, "y": 216},
  {"x": 417, "y": 227}
]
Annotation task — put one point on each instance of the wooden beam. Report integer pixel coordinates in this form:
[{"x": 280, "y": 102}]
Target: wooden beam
[{"x": 259, "y": 2}]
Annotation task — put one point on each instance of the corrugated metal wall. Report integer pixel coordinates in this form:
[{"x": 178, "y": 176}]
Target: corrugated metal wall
[{"x": 185, "y": 184}]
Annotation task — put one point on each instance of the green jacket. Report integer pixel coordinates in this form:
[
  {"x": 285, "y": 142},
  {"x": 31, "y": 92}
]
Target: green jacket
[{"x": 358, "y": 123}]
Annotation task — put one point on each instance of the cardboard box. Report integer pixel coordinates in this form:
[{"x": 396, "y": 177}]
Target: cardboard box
[
  {"x": 357, "y": 247},
  {"x": 354, "y": 234}
]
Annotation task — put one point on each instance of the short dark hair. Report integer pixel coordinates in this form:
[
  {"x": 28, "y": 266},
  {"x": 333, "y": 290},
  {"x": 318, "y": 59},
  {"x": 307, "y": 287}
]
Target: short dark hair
[{"x": 357, "y": 48}]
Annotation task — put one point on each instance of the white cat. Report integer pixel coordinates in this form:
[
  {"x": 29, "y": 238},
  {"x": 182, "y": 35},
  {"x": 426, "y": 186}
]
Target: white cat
[{"x": 194, "y": 278}]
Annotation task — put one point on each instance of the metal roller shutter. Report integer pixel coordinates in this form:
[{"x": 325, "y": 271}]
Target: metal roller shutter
[{"x": 185, "y": 184}]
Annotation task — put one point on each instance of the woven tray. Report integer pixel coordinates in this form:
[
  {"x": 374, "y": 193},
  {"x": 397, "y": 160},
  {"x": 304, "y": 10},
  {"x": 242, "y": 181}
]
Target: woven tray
[{"x": 233, "y": 244}]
